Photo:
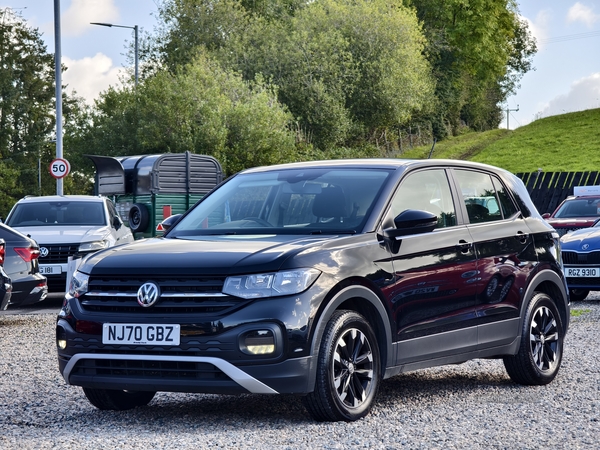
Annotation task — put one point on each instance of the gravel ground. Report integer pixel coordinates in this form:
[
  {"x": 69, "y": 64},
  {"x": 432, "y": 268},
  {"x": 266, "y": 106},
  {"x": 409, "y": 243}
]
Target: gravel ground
[{"x": 473, "y": 405}]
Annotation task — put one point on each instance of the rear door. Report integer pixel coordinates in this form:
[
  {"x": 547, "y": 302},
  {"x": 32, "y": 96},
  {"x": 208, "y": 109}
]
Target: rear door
[{"x": 505, "y": 252}]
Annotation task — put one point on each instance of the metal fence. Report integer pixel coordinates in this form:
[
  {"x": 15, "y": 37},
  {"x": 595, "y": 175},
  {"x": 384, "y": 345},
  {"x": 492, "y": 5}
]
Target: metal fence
[{"x": 548, "y": 189}]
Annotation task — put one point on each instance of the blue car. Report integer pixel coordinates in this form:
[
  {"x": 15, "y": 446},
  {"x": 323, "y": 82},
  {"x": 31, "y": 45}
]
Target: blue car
[{"x": 581, "y": 259}]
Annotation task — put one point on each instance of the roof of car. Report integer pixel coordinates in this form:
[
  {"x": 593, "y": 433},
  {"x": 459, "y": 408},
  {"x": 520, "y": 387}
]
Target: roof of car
[
  {"x": 61, "y": 198},
  {"x": 381, "y": 163}
]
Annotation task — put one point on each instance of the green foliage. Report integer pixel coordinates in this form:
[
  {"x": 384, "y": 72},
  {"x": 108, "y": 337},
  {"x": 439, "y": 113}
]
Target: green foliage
[
  {"x": 568, "y": 142},
  {"x": 202, "y": 109},
  {"x": 255, "y": 82},
  {"x": 479, "y": 49},
  {"x": 345, "y": 69},
  {"x": 191, "y": 24},
  {"x": 26, "y": 107}
]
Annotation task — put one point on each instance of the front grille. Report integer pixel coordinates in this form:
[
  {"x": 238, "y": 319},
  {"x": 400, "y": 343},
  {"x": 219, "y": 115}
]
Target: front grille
[
  {"x": 58, "y": 254},
  {"x": 172, "y": 370},
  {"x": 570, "y": 257},
  {"x": 179, "y": 295},
  {"x": 57, "y": 283},
  {"x": 192, "y": 344},
  {"x": 581, "y": 282}
]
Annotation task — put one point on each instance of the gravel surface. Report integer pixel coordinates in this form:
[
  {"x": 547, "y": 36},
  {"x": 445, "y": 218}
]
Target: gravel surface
[{"x": 473, "y": 405}]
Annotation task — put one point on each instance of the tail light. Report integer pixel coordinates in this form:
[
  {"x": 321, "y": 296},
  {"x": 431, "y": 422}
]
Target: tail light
[
  {"x": 28, "y": 253},
  {"x": 2, "y": 249}
]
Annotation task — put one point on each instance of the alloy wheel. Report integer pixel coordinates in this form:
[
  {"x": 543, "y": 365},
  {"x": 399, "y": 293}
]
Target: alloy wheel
[
  {"x": 353, "y": 368},
  {"x": 544, "y": 339}
]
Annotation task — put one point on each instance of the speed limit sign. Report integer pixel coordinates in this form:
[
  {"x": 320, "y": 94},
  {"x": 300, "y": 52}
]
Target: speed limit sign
[{"x": 59, "y": 168}]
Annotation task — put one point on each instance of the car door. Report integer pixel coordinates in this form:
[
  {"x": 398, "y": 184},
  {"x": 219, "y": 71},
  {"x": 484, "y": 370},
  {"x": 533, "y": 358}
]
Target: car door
[
  {"x": 433, "y": 295},
  {"x": 505, "y": 252}
]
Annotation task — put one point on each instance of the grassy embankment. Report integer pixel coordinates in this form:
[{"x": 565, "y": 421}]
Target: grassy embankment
[{"x": 569, "y": 142}]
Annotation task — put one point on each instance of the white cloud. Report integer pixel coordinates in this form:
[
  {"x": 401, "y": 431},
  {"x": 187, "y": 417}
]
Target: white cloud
[
  {"x": 90, "y": 76},
  {"x": 76, "y": 19},
  {"x": 583, "y": 94},
  {"x": 539, "y": 26},
  {"x": 581, "y": 13}
]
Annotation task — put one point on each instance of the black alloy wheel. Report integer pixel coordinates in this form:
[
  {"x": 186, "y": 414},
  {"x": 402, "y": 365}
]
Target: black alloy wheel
[
  {"x": 348, "y": 371},
  {"x": 540, "y": 353}
]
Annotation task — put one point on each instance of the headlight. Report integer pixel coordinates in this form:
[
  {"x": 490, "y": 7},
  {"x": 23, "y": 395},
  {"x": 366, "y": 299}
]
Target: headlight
[
  {"x": 93, "y": 246},
  {"x": 262, "y": 285},
  {"x": 79, "y": 284}
]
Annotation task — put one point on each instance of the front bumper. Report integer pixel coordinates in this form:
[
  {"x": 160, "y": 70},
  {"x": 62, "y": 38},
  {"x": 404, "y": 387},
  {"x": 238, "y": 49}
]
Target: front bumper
[{"x": 208, "y": 359}]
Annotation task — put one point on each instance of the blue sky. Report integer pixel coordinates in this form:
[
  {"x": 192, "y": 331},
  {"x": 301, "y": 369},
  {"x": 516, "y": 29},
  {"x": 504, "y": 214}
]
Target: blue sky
[{"x": 567, "y": 65}]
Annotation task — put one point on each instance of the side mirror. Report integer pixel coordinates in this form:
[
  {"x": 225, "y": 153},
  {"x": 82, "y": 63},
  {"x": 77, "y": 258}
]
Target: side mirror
[
  {"x": 546, "y": 215},
  {"x": 117, "y": 222},
  {"x": 168, "y": 223},
  {"x": 411, "y": 221}
]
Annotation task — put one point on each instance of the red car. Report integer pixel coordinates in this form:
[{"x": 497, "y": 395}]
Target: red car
[{"x": 575, "y": 213}]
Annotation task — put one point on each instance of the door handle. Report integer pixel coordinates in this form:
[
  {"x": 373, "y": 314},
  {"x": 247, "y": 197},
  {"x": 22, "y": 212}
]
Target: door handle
[
  {"x": 464, "y": 246},
  {"x": 522, "y": 237}
]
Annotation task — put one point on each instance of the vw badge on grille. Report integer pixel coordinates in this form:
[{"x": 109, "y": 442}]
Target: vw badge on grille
[
  {"x": 148, "y": 294},
  {"x": 43, "y": 252}
]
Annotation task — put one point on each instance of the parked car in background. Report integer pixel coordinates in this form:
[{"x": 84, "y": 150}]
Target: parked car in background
[
  {"x": 321, "y": 279},
  {"x": 581, "y": 258},
  {"x": 21, "y": 265},
  {"x": 67, "y": 226},
  {"x": 5, "y": 282},
  {"x": 576, "y": 212}
]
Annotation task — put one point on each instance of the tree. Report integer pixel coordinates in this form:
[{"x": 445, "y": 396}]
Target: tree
[
  {"x": 201, "y": 108},
  {"x": 479, "y": 49},
  {"x": 26, "y": 106},
  {"x": 345, "y": 69}
]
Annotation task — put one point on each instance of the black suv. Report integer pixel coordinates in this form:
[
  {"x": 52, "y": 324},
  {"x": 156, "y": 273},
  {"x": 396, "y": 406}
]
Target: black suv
[{"x": 321, "y": 279}]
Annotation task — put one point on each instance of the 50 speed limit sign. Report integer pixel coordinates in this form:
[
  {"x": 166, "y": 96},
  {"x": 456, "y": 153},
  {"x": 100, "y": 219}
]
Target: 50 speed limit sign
[{"x": 60, "y": 168}]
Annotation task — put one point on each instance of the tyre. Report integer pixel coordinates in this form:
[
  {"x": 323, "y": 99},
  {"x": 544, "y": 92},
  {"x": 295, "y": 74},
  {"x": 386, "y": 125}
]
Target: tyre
[
  {"x": 578, "y": 295},
  {"x": 540, "y": 353},
  {"x": 348, "y": 370},
  {"x": 138, "y": 218},
  {"x": 117, "y": 400}
]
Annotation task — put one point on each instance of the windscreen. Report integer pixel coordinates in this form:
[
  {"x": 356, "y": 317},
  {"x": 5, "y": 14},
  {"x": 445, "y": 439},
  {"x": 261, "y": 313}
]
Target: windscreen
[
  {"x": 583, "y": 207},
  {"x": 69, "y": 213},
  {"x": 293, "y": 201}
]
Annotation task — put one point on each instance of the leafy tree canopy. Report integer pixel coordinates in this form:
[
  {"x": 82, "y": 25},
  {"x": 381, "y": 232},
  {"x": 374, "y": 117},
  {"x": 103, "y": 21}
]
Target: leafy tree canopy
[
  {"x": 201, "y": 108},
  {"x": 26, "y": 106}
]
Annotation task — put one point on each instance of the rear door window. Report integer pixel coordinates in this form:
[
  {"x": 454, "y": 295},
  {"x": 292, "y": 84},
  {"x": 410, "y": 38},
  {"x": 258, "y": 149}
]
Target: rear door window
[{"x": 484, "y": 196}]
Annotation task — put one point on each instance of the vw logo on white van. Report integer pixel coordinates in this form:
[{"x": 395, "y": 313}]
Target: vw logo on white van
[
  {"x": 148, "y": 294},
  {"x": 43, "y": 252}
]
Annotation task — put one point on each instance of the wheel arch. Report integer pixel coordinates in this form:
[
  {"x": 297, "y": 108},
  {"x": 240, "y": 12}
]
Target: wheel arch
[
  {"x": 550, "y": 283},
  {"x": 364, "y": 301}
]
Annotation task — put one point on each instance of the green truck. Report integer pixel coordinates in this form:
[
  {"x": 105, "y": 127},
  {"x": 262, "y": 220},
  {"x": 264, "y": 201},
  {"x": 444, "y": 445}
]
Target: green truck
[{"x": 146, "y": 189}]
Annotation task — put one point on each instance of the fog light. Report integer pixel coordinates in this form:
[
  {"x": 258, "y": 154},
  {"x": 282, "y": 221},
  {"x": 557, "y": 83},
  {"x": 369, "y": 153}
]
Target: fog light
[
  {"x": 61, "y": 338},
  {"x": 258, "y": 342}
]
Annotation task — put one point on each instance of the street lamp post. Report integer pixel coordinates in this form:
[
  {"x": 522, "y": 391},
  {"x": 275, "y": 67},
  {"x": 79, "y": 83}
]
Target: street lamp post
[
  {"x": 58, "y": 91},
  {"x": 135, "y": 28}
]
